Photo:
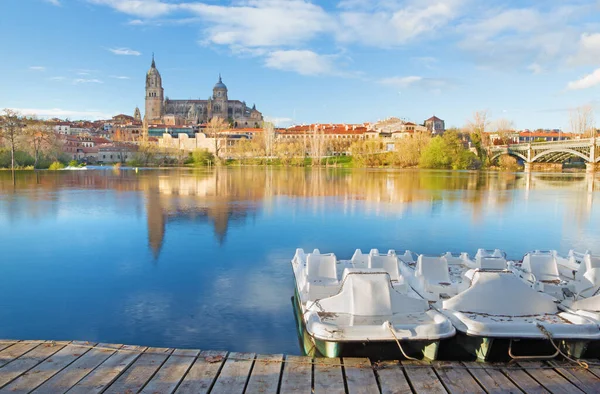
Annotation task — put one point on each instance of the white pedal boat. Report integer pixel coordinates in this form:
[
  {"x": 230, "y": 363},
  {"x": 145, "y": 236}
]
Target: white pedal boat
[
  {"x": 353, "y": 304},
  {"x": 495, "y": 312}
]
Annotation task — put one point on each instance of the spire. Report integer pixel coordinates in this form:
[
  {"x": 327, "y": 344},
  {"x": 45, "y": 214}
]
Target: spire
[
  {"x": 220, "y": 78},
  {"x": 153, "y": 64}
]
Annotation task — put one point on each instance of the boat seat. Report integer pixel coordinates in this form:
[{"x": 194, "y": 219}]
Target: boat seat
[
  {"x": 588, "y": 262},
  {"x": 321, "y": 268},
  {"x": 369, "y": 293},
  {"x": 542, "y": 265},
  {"x": 490, "y": 259},
  {"x": 359, "y": 260},
  {"x": 388, "y": 263},
  {"x": 432, "y": 273},
  {"x": 500, "y": 293}
]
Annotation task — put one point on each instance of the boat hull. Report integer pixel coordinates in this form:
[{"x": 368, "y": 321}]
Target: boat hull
[{"x": 503, "y": 349}]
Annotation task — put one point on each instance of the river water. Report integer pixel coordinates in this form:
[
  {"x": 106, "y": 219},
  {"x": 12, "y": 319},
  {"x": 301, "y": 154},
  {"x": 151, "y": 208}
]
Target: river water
[{"x": 200, "y": 258}]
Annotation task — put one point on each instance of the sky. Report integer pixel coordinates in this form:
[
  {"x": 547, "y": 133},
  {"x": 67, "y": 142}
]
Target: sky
[{"x": 300, "y": 61}]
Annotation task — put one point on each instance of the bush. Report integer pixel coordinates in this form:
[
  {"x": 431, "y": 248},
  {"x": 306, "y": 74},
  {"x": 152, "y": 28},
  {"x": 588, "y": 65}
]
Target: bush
[
  {"x": 202, "y": 157},
  {"x": 56, "y": 165},
  {"x": 509, "y": 163},
  {"x": 73, "y": 163}
]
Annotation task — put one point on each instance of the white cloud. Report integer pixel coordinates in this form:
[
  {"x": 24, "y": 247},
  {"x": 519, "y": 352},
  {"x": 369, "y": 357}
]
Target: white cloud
[
  {"x": 63, "y": 113},
  {"x": 588, "y": 50},
  {"x": 416, "y": 81},
  {"x": 139, "y": 8},
  {"x": 304, "y": 62},
  {"x": 119, "y": 77},
  {"x": 587, "y": 81},
  {"x": 535, "y": 68},
  {"x": 53, "y": 2},
  {"x": 279, "y": 121},
  {"x": 262, "y": 23},
  {"x": 37, "y": 68},
  {"x": 83, "y": 80},
  {"x": 124, "y": 51},
  {"x": 57, "y": 78}
]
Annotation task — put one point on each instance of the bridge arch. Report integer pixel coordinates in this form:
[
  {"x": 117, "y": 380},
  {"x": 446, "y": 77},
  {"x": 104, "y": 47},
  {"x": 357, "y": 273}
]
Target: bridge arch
[
  {"x": 560, "y": 150},
  {"x": 497, "y": 155}
]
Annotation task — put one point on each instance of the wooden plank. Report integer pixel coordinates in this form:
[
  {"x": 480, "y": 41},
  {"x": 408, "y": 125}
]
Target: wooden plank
[
  {"x": 583, "y": 379},
  {"x": 360, "y": 376},
  {"x": 202, "y": 375},
  {"x": 47, "y": 368},
  {"x": 173, "y": 370},
  {"x": 68, "y": 377},
  {"x": 328, "y": 376},
  {"x": 297, "y": 375},
  {"x": 422, "y": 378},
  {"x": 140, "y": 372},
  {"x": 17, "y": 350},
  {"x": 265, "y": 374},
  {"x": 108, "y": 371},
  {"x": 521, "y": 378},
  {"x": 392, "y": 379},
  {"x": 234, "y": 374},
  {"x": 548, "y": 378},
  {"x": 4, "y": 343},
  {"x": 456, "y": 380},
  {"x": 491, "y": 379},
  {"x": 19, "y": 366}
]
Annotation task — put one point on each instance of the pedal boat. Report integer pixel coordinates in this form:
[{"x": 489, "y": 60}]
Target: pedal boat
[
  {"x": 364, "y": 307},
  {"x": 496, "y": 313}
]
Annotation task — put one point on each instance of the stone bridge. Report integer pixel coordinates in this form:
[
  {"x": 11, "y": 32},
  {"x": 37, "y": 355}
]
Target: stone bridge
[{"x": 551, "y": 155}]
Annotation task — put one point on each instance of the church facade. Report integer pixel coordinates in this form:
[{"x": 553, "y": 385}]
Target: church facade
[{"x": 161, "y": 110}]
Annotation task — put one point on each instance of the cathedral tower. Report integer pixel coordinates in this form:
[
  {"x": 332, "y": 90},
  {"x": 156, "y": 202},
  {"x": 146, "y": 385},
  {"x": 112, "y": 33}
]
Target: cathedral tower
[
  {"x": 220, "y": 100},
  {"x": 154, "y": 94}
]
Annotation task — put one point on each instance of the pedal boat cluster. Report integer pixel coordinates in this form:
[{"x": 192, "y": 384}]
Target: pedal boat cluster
[{"x": 483, "y": 306}]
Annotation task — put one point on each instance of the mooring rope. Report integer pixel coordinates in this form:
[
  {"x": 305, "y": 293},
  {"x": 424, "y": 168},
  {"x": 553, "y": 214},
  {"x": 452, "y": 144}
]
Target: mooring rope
[
  {"x": 544, "y": 331},
  {"x": 398, "y": 343}
]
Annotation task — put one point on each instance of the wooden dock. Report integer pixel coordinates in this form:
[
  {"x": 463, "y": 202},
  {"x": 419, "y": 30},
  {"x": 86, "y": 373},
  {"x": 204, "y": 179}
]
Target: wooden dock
[{"x": 83, "y": 367}]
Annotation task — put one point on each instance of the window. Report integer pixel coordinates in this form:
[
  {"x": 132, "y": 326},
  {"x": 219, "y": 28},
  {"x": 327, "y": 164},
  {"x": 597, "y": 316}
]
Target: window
[{"x": 104, "y": 156}]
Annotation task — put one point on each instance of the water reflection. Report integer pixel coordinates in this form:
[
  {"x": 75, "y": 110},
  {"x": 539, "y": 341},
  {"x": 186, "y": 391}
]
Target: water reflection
[{"x": 200, "y": 258}]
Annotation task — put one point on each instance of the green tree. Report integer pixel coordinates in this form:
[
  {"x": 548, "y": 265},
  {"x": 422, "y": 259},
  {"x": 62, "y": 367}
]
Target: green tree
[
  {"x": 436, "y": 154},
  {"x": 202, "y": 157}
]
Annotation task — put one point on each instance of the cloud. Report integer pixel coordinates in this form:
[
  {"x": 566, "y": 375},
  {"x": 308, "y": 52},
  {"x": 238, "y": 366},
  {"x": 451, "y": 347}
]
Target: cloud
[
  {"x": 139, "y": 8},
  {"x": 37, "y": 68},
  {"x": 304, "y": 62},
  {"x": 588, "y": 50},
  {"x": 83, "y": 80},
  {"x": 535, "y": 68},
  {"x": 586, "y": 82},
  {"x": 119, "y": 77},
  {"x": 279, "y": 121},
  {"x": 416, "y": 81},
  {"x": 124, "y": 51},
  {"x": 63, "y": 113},
  {"x": 53, "y": 2},
  {"x": 57, "y": 78}
]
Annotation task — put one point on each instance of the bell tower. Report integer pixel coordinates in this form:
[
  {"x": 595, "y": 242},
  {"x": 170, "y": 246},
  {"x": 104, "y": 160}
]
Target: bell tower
[{"x": 154, "y": 94}]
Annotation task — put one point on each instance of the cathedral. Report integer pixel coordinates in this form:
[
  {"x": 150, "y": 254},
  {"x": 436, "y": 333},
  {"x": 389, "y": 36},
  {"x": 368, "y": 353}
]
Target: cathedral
[{"x": 161, "y": 110}]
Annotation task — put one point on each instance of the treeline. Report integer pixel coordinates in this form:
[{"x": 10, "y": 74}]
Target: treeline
[{"x": 28, "y": 143}]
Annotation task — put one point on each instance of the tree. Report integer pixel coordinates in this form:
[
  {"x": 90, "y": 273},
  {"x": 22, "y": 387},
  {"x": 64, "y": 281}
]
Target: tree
[
  {"x": 38, "y": 137},
  {"x": 581, "y": 120},
  {"x": 504, "y": 128},
  {"x": 269, "y": 138},
  {"x": 408, "y": 150},
  {"x": 476, "y": 129},
  {"x": 214, "y": 128},
  {"x": 318, "y": 145},
  {"x": 11, "y": 132}
]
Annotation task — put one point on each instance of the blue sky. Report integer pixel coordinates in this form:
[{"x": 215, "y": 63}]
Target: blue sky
[{"x": 301, "y": 61}]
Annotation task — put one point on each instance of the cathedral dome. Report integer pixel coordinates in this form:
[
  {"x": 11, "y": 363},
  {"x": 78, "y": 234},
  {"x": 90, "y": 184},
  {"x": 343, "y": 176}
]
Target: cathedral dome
[{"x": 220, "y": 84}]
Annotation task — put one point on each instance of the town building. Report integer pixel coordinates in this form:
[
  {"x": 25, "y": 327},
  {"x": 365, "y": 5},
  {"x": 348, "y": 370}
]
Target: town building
[
  {"x": 161, "y": 110},
  {"x": 435, "y": 125}
]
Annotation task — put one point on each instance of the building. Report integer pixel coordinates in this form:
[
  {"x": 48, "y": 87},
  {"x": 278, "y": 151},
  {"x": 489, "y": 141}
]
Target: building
[
  {"x": 545, "y": 136},
  {"x": 435, "y": 125},
  {"x": 161, "y": 110},
  {"x": 116, "y": 152}
]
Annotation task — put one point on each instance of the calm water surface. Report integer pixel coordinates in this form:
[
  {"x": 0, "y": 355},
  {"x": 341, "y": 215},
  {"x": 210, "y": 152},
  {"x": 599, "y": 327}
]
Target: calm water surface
[{"x": 201, "y": 258}]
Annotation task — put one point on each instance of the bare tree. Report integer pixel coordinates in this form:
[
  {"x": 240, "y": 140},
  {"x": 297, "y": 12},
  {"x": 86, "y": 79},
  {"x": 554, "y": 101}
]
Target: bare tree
[
  {"x": 318, "y": 145},
  {"x": 504, "y": 128},
  {"x": 581, "y": 120},
  {"x": 11, "y": 132},
  {"x": 269, "y": 137},
  {"x": 38, "y": 137},
  {"x": 214, "y": 129},
  {"x": 476, "y": 128}
]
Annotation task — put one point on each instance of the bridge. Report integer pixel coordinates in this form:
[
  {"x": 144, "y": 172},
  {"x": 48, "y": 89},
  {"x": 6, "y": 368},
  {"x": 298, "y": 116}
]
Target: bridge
[{"x": 551, "y": 155}]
